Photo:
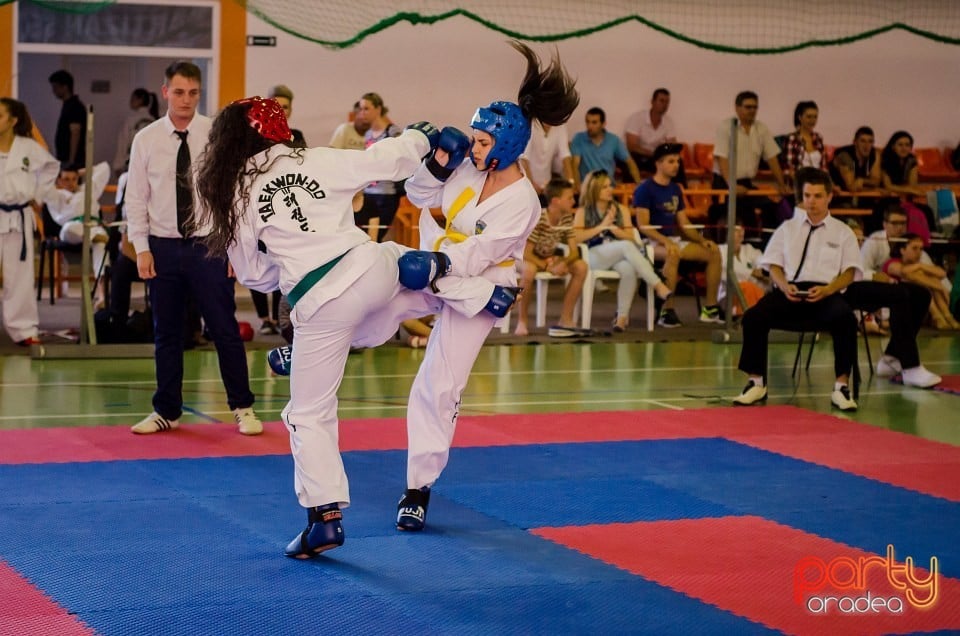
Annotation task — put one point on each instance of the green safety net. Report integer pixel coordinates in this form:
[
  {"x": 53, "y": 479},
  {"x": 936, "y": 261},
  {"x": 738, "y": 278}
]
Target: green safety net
[{"x": 732, "y": 26}]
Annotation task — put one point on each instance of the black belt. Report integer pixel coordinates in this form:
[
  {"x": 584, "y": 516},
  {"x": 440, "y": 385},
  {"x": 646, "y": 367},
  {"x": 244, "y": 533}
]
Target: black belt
[{"x": 23, "y": 230}]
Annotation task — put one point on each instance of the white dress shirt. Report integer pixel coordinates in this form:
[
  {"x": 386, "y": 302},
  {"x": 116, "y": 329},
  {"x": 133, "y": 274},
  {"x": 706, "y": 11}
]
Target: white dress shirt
[
  {"x": 150, "y": 203},
  {"x": 833, "y": 249}
]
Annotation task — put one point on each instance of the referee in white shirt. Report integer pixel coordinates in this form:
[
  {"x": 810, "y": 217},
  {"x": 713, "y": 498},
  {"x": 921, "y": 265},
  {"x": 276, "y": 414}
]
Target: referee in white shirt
[
  {"x": 159, "y": 205},
  {"x": 812, "y": 258}
]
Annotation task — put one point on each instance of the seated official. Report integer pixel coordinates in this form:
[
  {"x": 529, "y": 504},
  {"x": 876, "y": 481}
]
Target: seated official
[{"x": 811, "y": 259}]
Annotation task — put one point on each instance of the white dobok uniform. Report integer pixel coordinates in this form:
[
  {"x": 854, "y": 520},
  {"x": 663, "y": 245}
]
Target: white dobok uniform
[
  {"x": 300, "y": 211},
  {"x": 483, "y": 240},
  {"x": 66, "y": 208},
  {"x": 27, "y": 173}
]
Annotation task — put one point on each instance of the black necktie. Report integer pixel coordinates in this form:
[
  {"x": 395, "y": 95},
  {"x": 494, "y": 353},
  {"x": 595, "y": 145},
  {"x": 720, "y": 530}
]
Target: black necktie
[
  {"x": 184, "y": 195},
  {"x": 803, "y": 255}
]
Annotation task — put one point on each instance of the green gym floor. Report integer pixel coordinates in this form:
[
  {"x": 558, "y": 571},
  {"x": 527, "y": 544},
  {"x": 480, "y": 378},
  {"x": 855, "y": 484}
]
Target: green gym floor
[{"x": 511, "y": 376}]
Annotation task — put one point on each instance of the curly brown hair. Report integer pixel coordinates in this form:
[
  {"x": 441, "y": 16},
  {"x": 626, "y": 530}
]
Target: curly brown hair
[{"x": 225, "y": 175}]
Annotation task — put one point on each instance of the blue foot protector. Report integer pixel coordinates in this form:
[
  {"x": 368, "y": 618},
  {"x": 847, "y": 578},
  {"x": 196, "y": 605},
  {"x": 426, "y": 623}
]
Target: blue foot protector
[
  {"x": 412, "y": 509},
  {"x": 324, "y": 532},
  {"x": 280, "y": 359}
]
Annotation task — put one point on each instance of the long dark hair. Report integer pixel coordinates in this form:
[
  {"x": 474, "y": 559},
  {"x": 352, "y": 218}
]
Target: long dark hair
[
  {"x": 18, "y": 110},
  {"x": 149, "y": 100},
  {"x": 891, "y": 163},
  {"x": 224, "y": 178},
  {"x": 547, "y": 95}
]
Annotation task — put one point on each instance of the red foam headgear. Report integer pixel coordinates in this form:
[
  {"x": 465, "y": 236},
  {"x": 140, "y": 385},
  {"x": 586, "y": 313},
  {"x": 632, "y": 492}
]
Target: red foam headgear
[{"x": 266, "y": 116}]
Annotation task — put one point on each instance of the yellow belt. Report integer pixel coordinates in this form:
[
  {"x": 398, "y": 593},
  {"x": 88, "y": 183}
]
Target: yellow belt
[{"x": 458, "y": 237}]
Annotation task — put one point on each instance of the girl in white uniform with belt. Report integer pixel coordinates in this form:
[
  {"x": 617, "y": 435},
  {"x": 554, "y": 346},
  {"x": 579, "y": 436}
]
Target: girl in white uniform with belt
[
  {"x": 27, "y": 175},
  {"x": 284, "y": 218},
  {"x": 490, "y": 208}
]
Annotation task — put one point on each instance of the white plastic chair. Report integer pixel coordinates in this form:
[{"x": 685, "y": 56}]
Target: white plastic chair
[
  {"x": 542, "y": 286},
  {"x": 593, "y": 275}
]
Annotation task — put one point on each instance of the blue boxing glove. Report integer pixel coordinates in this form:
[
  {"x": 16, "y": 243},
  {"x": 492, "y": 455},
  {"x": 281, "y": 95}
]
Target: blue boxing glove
[
  {"x": 419, "y": 268},
  {"x": 502, "y": 300},
  {"x": 456, "y": 145},
  {"x": 432, "y": 133},
  {"x": 280, "y": 359}
]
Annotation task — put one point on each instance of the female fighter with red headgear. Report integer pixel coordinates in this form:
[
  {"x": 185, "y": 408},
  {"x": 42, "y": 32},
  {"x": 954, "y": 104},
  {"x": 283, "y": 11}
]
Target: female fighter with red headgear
[
  {"x": 490, "y": 209},
  {"x": 284, "y": 217}
]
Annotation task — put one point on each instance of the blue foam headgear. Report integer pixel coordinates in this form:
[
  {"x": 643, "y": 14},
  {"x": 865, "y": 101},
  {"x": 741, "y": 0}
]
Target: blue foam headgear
[{"x": 504, "y": 121}]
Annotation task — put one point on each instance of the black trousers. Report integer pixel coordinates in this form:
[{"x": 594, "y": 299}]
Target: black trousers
[
  {"x": 263, "y": 306},
  {"x": 908, "y": 306},
  {"x": 184, "y": 269},
  {"x": 831, "y": 314}
]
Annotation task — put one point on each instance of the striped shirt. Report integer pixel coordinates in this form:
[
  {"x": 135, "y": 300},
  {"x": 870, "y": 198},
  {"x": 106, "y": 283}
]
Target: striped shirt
[{"x": 546, "y": 236}]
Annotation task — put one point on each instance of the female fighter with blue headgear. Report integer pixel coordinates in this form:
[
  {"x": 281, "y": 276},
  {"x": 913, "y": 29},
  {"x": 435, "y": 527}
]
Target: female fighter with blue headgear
[
  {"x": 490, "y": 209},
  {"x": 284, "y": 217}
]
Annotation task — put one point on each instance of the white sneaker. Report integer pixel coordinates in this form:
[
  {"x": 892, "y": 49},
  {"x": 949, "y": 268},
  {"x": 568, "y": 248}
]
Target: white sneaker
[
  {"x": 841, "y": 399},
  {"x": 247, "y": 421},
  {"x": 751, "y": 395},
  {"x": 154, "y": 423},
  {"x": 888, "y": 366},
  {"x": 920, "y": 377}
]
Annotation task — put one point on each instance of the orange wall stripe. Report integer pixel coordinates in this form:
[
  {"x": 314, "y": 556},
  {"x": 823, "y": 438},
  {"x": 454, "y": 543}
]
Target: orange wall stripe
[
  {"x": 233, "y": 51},
  {"x": 6, "y": 49}
]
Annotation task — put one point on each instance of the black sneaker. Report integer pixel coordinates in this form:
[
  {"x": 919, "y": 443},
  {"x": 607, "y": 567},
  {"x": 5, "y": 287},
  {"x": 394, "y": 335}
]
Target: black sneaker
[
  {"x": 668, "y": 318},
  {"x": 412, "y": 509}
]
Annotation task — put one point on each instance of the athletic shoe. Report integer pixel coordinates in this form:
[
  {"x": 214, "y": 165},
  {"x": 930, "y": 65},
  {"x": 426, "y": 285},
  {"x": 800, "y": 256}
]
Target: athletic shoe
[
  {"x": 752, "y": 393},
  {"x": 841, "y": 399},
  {"x": 247, "y": 421},
  {"x": 324, "y": 532},
  {"x": 669, "y": 319},
  {"x": 154, "y": 423},
  {"x": 412, "y": 509},
  {"x": 711, "y": 314},
  {"x": 888, "y": 366},
  {"x": 920, "y": 377},
  {"x": 268, "y": 328},
  {"x": 559, "y": 331}
]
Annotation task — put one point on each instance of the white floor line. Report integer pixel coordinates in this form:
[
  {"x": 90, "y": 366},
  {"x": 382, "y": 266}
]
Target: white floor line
[
  {"x": 930, "y": 364},
  {"x": 466, "y": 407}
]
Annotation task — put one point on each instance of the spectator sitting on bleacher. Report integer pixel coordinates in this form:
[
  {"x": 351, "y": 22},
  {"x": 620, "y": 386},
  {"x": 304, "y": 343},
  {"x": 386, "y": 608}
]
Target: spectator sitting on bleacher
[
  {"x": 804, "y": 145},
  {"x": 876, "y": 248},
  {"x": 754, "y": 142},
  {"x": 547, "y": 155},
  {"x": 857, "y": 167},
  {"x": 540, "y": 255},
  {"x": 658, "y": 204},
  {"x": 898, "y": 165},
  {"x": 606, "y": 228},
  {"x": 596, "y": 148},
  {"x": 905, "y": 264},
  {"x": 647, "y": 129}
]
